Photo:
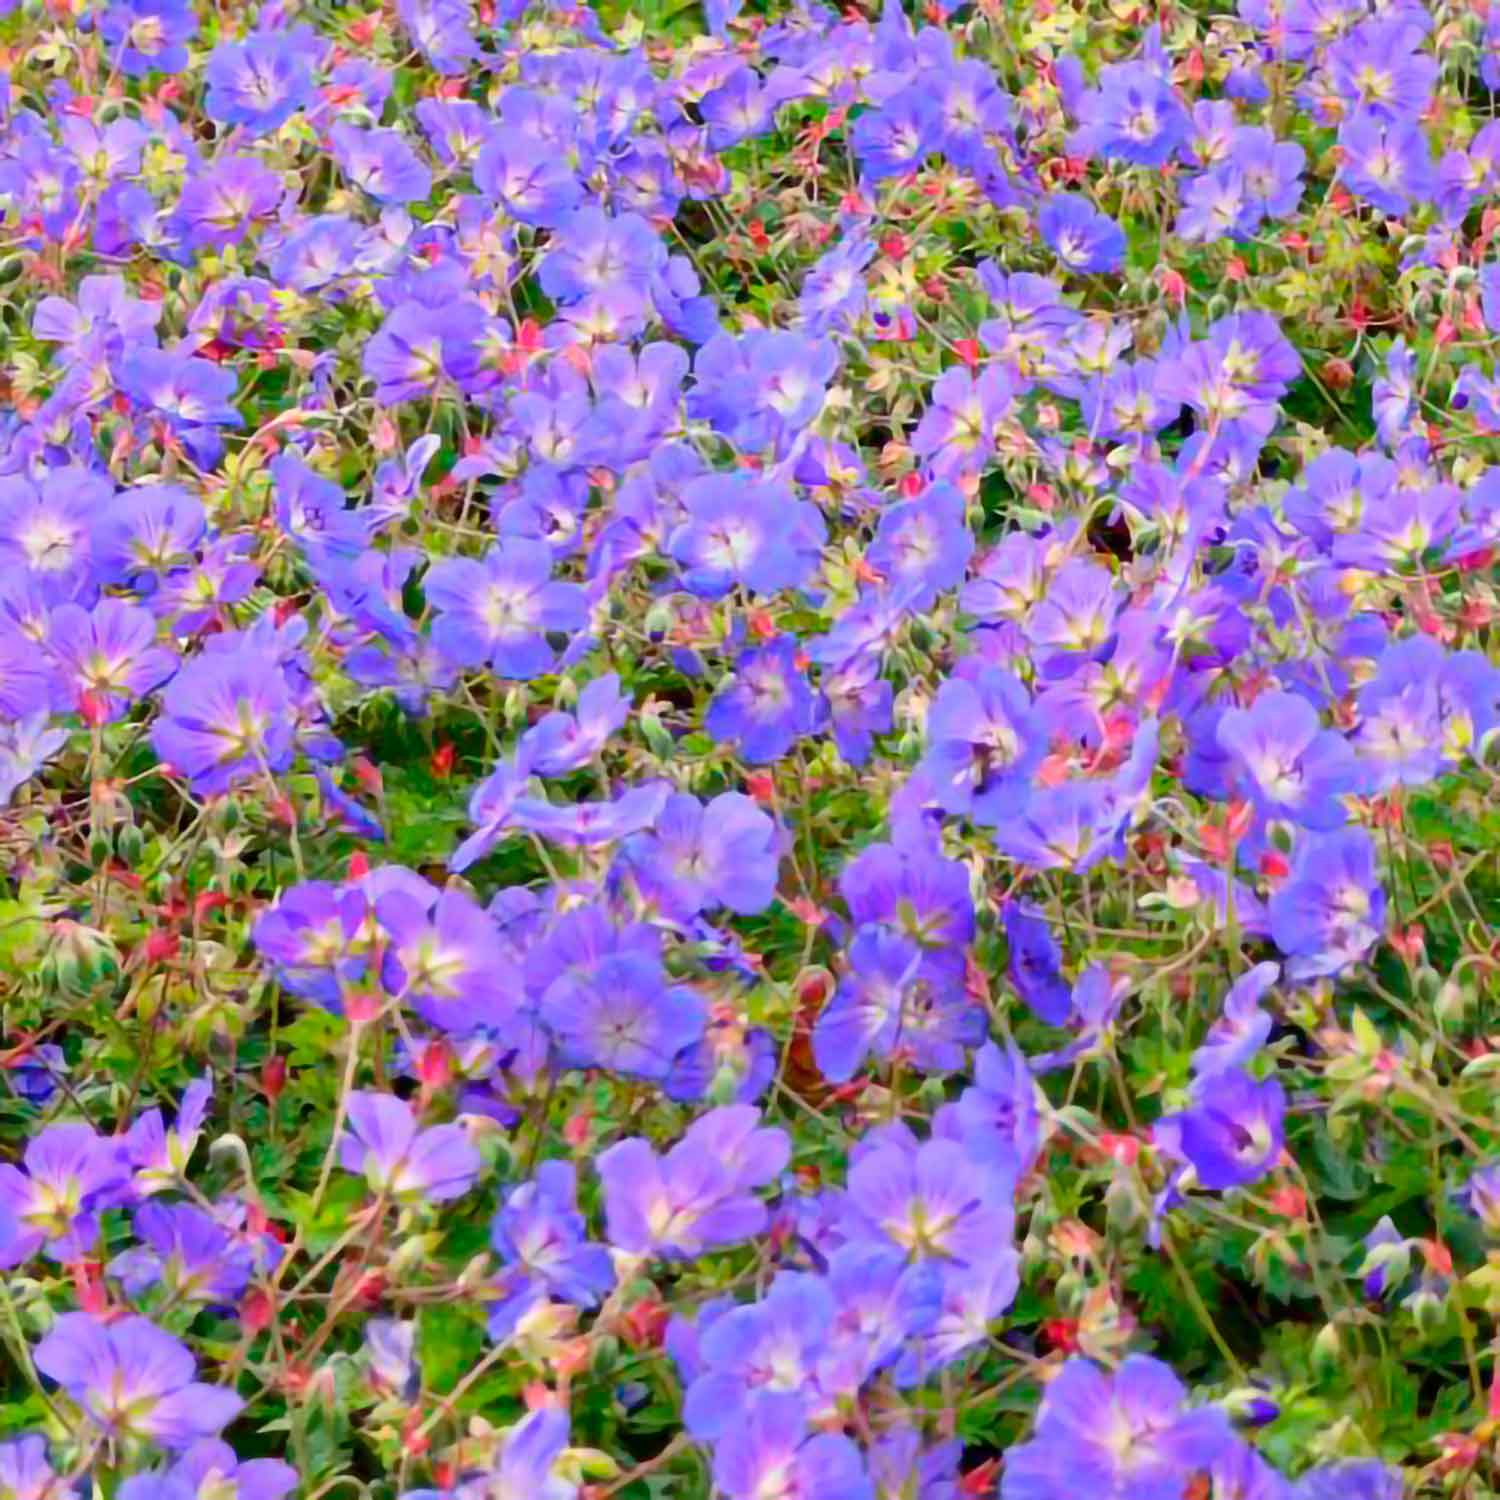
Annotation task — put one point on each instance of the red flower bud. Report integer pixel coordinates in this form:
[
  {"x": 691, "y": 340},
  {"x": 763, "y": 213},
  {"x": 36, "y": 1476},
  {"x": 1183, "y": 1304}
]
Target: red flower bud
[
  {"x": 273, "y": 1077},
  {"x": 256, "y": 1311}
]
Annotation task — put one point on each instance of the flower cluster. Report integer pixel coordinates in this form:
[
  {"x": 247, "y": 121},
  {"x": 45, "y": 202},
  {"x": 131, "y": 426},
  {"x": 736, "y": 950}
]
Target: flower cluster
[{"x": 748, "y": 751}]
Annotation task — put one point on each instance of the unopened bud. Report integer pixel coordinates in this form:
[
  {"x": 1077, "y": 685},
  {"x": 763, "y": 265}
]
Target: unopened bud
[
  {"x": 273, "y": 1077},
  {"x": 1327, "y": 1349},
  {"x": 130, "y": 845},
  {"x": 79, "y": 960}
]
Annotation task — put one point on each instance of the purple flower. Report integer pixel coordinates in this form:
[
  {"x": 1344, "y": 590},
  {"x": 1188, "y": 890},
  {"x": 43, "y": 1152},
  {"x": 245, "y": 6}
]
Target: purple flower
[
  {"x": 1330, "y": 911},
  {"x": 699, "y": 1194},
  {"x": 381, "y": 162},
  {"x": 160, "y": 1156},
  {"x": 1128, "y": 1436},
  {"x": 638, "y": 395},
  {"x": 261, "y": 82},
  {"x": 1292, "y": 766},
  {"x": 624, "y": 1014},
  {"x": 1377, "y": 71},
  {"x": 1351, "y": 1479},
  {"x": 389, "y": 1358},
  {"x": 901, "y": 1466},
  {"x": 47, "y": 530},
  {"x": 28, "y": 682},
  {"x": 745, "y": 531},
  {"x": 316, "y": 252},
  {"x": 1075, "y": 618},
  {"x": 37, "y": 1074},
  {"x": 773, "y": 1345},
  {"x": 916, "y": 892},
  {"x": 456, "y": 129},
  {"x": 419, "y": 346},
  {"x": 1032, "y": 324},
  {"x": 1081, "y": 237},
  {"x": 108, "y": 656},
  {"x": 698, "y": 856},
  {"x": 1480, "y": 1195},
  {"x": 1387, "y": 1259},
  {"x": 1134, "y": 115},
  {"x": 192, "y": 394},
  {"x": 593, "y": 253},
  {"x": 984, "y": 742},
  {"x": 1260, "y": 179},
  {"x": 771, "y": 1453},
  {"x": 1400, "y": 534},
  {"x": 310, "y": 510},
  {"x": 590, "y": 823},
  {"x": 998, "y": 1113},
  {"x": 134, "y": 1380},
  {"x": 762, "y": 388},
  {"x": 226, "y": 718},
  {"x": 1271, "y": 171},
  {"x": 211, "y": 1468},
  {"x": 602, "y": 270},
  {"x": 197, "y": 595},
  {"x": 105, "y": 316},
  {"x": 972, "y": 1299},
  {"x": 1234, "y": 377},
  {"x": 26, "y": 1472},
  {"x": 1093, "y": 1004},
  {"x": 1242, "y": 1026},
  {"x": 860, "y": 703},
  {"x": 52, "y": 1202},
  {"x": 897, "y": 137},
  {"x": 1215, "y": 203},
  {"x": 308, "y": 938},
  {"x": 1424, "y": 710},
  {"x": 767, "y": 705},
  {"x": 442, "y": 30},
  {"x": 524, "y": 1464},
  {"x": 445, "y": 957},
  {"x": 922, "y": 546},
  {"x": 737, "y": 109},
  {"x": 1035, "y": 963},
  {"x": 401, "y": 1160},
  {"x": 973, "y": 109},
  {"x": 148, "y": 34},
  {"x": 1388, "y": 163},
  {"x": 493, "y": 810},
  {"x": 956, "y": 435},
  {"x": 885, "y": 1005},
  {"x": 930, "y": 1201},
  {"x": 148, "y": 532},
  {"x": 1338, "y": 489},
  {"x": 833, "y": 292},
  {"x": 498, "y": 610},
  {"x": 533, "y": 182},
  {"x": 1232, "y": 1132},
  {"x": 218, "y": 207},
  {"x": 187, "y": 1252},
  {"x": 1241, "y": 1473},
  {"x": 541, "y": 1237},
  {"x": 561, "y": 742}
]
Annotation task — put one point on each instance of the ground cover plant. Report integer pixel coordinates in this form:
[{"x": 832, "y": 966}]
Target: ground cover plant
[{"x": 747, "y": 750}]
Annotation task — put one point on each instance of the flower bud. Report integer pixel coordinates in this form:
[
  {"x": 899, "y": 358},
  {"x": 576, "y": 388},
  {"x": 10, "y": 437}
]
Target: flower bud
[
  {"x": 273, "y": 1077},
  {"x": 1123, "y": 1204},
  {"x": 130, "y": 845},
  {"x": 79, "y": 960},
  {"x": 1327, "y": 1349}
]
